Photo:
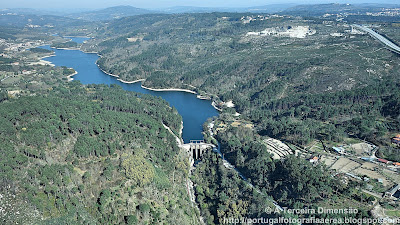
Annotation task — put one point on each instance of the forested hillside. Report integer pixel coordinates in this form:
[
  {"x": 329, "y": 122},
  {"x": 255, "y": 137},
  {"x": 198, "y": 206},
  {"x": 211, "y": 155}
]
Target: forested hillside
[
  {"x": 222, "y": 194},
  {"x": 322, "y": 85},
  {"x": 293, "y": 182},
  {"x": 90, "y": 155}
]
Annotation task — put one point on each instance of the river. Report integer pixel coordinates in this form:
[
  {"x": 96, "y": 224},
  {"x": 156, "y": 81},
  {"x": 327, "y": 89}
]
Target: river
[{"x": 194, "y": 111}]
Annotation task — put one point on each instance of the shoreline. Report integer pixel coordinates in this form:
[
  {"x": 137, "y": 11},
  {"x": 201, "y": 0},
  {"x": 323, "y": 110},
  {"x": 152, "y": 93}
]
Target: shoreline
[
  {"x": 90, "y": 52},
  {"x": 109, "y": 74},
  {"x": 65, "y": 48},
  {"x": 44, "y": 62},
  {"x": 71, "y": 75},
  {"x": 144, "y": 87},
  {"x": 76, "y": 36},
  {"x": 213, "y": 104},
  {"x": 130, "y": 82},
  {"x": 47, "y": 56},
  {"x": 169, "y": 89}
]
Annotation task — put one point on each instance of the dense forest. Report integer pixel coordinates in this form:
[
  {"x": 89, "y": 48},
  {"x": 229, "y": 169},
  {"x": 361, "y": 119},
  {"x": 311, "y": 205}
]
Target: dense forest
[
  {"x": 390, "y": 153},
  {"x": 89, "y": 155},
  {"x": 222, "y": 194},
  {"x": 293, "y": 183},
  {"x": 369, "y": 113}
]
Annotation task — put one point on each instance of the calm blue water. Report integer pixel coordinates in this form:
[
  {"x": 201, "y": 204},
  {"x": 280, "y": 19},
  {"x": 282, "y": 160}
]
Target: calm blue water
[{"x": 194, "y": 111}]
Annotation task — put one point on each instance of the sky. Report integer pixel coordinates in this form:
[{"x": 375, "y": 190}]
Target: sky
[{"x": 154, "y": 4}]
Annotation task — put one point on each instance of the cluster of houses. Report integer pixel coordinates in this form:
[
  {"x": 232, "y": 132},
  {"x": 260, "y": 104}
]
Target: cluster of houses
[
  {"x": 313, "y": 159},
  {"x": 384, "y": 161},
  {"x": 20, "y": 47}
]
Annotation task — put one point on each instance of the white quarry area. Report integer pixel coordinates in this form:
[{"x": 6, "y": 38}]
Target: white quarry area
[
  {"x": 289, "y": 31},
  {"x": 134, "y": 39}
]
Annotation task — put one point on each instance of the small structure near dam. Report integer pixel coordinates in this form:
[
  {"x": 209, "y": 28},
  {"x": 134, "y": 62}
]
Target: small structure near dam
[{"x": 196, "y": 148}]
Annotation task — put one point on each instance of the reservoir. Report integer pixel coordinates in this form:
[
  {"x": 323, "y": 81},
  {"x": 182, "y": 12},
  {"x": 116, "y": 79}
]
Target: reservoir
[{"x": 194, "y": 111}]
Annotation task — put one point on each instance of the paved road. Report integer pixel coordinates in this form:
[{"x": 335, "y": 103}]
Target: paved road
[{"x": 393, "y": 47}]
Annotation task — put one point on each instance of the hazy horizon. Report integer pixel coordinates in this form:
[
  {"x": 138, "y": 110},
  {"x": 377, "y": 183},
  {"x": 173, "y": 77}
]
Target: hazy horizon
[{"x": 157, "y": 4}]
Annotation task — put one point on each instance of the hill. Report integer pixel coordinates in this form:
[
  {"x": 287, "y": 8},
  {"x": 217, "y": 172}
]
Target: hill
[
  {"x": 272, "y": 8},
  {"x": 41, "y": 12},
  {"x": 39, "y": 21},
  {"x": 109, "y": 13},
  {"x": 90, "y": 155},
  {"x": 94, "y": 154}
]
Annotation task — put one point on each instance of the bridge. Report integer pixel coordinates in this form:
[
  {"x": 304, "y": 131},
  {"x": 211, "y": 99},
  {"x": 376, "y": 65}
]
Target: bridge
[
  {"x": 196, "y": 148},
  {"x": 389, "y": 45}
]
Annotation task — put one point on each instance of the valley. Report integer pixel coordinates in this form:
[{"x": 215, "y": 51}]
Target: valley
[{"x": 302, "y": 106}]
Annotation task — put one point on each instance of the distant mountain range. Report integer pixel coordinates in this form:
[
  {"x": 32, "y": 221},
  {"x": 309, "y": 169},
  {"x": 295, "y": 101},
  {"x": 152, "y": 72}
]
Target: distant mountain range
[
  {"x": 273, "y": 8},
  {"x": 110, "y": 13},
  {"x": 124, "y": 11},
  {"x": 41, "y": 12},
  {"x": 334, "y": 8},
  {"x": 32, "y": 20}
]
